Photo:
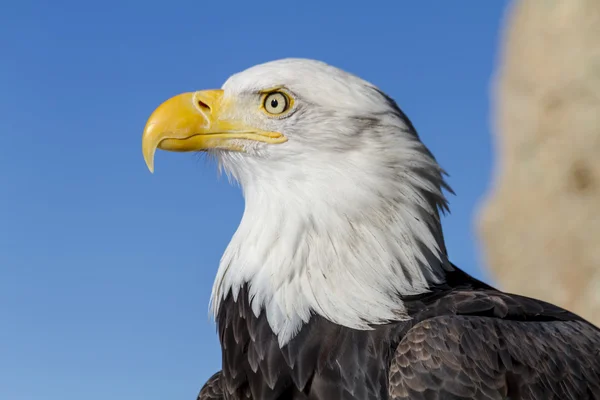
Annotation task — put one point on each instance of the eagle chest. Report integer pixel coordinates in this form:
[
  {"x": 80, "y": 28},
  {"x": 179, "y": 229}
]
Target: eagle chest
[{"x": 323, "y": 361}]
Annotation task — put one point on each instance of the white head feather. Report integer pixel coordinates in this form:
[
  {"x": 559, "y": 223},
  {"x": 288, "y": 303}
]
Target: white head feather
[{"x": 340, "y": 220}]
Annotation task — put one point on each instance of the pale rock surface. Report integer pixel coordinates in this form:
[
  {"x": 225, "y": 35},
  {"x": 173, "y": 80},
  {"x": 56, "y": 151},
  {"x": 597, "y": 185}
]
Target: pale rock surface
[{"x": 540, "y": 224}]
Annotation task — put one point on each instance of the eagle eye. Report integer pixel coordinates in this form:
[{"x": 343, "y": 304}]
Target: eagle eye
[{"x": 276, "y": 103}]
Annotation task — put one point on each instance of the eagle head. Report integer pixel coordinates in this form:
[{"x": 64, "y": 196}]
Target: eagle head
[{"x": 342, "y": 197}]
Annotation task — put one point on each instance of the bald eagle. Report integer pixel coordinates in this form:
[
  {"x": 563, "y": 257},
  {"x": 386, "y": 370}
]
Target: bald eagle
[{"x": 337, "y": 282}]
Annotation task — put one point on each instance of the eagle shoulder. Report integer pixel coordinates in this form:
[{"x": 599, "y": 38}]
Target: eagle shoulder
[{"x": 497, "y": 346}]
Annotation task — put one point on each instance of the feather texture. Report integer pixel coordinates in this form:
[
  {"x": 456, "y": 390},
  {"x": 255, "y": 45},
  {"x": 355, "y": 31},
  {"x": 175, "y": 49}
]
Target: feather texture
[
  {"x": 464, "y": 340},
  {"x": 487, "y": 358},
  {"x": 212, "y": 389}
]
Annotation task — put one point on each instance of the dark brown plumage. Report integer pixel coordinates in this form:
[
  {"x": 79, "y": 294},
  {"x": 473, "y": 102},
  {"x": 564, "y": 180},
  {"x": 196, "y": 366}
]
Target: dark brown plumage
[
  {"x": 465, "y": 340},
  {"x": 212, "y": 388}
]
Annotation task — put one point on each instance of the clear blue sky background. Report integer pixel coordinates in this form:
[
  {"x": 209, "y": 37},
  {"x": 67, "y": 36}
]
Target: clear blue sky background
[{"x": 105, "y": 269}]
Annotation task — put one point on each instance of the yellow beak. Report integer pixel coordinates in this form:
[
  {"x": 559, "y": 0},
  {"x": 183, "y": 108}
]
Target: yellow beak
[{"x": 198, "y": 121}]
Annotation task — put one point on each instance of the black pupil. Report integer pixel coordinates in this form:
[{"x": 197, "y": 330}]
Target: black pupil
[{"x": 274, "y": 103}]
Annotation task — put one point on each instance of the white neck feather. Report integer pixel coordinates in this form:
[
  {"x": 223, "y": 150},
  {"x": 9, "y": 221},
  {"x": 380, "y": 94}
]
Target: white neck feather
[{"x": 343, "y": 243}]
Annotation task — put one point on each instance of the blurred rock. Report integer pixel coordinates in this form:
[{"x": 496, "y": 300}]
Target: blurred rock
[{"x": 540, "y": 225}]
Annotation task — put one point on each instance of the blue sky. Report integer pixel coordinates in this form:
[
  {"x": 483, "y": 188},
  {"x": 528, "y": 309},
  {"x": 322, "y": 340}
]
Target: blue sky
[{"x": 105, "y": 269}]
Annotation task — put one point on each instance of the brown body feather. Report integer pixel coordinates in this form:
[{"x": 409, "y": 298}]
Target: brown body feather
[{"x": 465, "y": 340}]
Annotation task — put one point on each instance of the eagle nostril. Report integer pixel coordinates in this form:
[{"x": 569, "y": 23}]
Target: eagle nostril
[{"x": 203, "y": 105}]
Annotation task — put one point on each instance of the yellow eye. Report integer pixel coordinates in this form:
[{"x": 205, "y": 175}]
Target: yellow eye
[{"x": 276, "y": 103}]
